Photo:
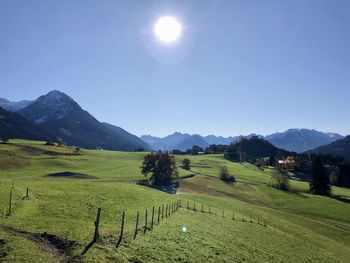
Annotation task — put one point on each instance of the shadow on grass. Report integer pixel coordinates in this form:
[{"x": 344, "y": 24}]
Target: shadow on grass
[{"x": 341, "y": 198}]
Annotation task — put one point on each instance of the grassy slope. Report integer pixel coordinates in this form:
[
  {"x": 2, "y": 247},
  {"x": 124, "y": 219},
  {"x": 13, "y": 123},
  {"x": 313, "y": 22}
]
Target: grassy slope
[{"x": 67, "y": 207}]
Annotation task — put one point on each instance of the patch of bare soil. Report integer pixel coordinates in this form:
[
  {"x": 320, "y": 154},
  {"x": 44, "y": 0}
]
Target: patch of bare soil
[
  {"x": 71, "y": 175},
  {"x": 60, "y": 248}
]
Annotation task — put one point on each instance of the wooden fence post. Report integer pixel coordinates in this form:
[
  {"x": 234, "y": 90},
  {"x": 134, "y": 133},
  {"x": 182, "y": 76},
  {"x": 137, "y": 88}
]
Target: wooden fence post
[
  {"x": 145, "y": 222},
  {"x": 10, "y": 203},
  {"x": 96, "y": 233},
  {"x": 158, "y": 214},
  {"x": 233, "y": 215},
  {"x": 194, "y": 206},
  {"x": 162, "y": 211},
  {"x": 166, "y": 211},
  {"x": 97, "y": 224},
  {"x": 242, "y": 218},
  {"x": 223, "y": 213},
  {"x": 152, "y": 222},
  {"x": 121, "y": 230},
  {"x": 137, "y": 224},
  {"x": 27, "y": 193},
  {"x": 188, "y": 207}
]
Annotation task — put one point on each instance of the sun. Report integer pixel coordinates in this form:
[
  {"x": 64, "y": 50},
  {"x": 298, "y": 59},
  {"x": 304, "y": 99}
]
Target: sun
[{"x": 167, "y": 29}]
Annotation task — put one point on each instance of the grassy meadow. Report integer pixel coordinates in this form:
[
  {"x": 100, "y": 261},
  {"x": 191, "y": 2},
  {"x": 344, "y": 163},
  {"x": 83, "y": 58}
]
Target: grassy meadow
[{"x": 300, "y": 227}]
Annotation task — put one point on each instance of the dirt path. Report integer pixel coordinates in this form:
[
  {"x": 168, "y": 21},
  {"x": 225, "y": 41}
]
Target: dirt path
[{"x": 60, "y": 249}]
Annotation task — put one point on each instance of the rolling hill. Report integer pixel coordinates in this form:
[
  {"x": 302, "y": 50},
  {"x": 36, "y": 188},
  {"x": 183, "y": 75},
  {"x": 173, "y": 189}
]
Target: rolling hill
[
  {"x": 255, "y": 147},
  {"x": 248, "y": 221},
  {"x": 339, "y": 147}
]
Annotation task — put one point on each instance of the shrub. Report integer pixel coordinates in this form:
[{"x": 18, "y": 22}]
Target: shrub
[
  {"x": 76, "y": 150},
  {"x": 279, "y": 180},
  {"x": 225, "y": 176},
  {"x": 186, "y": 164},
  {"x": 4, "y": 140}
]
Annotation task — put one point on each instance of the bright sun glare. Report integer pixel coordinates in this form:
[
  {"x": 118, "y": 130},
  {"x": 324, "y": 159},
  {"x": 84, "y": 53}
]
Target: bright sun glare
[{"x": 167, "y": 29}]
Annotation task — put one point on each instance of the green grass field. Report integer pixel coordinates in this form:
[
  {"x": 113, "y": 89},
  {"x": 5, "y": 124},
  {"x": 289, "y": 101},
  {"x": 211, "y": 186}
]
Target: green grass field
[{"x": 300, "y": 227}]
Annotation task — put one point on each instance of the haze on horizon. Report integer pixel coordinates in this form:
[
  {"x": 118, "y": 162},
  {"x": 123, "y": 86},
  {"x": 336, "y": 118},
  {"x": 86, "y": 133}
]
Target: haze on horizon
[{"x": 240, "y": 67}]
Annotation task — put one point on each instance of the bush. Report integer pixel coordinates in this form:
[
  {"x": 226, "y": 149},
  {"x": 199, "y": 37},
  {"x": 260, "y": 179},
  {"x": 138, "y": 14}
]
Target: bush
[
  {"x": 4, "y": 140},
  {"x": 225, "y": 176},
  {"x": 280, "y": 180},
  {"x": 186, "y": 164},
  {"x": 76, "y": 150}
]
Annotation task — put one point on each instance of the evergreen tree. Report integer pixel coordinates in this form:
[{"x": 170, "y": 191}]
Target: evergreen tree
[
  {"x": 344, "y": 174},
  {"x": 319, "y": 183}
]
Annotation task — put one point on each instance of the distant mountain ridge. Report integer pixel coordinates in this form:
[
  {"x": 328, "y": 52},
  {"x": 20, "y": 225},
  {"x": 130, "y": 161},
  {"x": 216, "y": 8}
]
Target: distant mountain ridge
[
  {"x": 62, "y": 117},
  {"x": 339, "y": 147},
  {"x": 14, "y": 106},
  {"x": 301, "y": 140},
  {"x": 294, "y": 140},
  {"x": 177, "y": 140},
  {"x": 184, "y": 141}
]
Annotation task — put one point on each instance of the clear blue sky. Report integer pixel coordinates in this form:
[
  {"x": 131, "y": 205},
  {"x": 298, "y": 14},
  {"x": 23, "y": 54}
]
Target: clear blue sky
[{"x": 240, "y": 67}]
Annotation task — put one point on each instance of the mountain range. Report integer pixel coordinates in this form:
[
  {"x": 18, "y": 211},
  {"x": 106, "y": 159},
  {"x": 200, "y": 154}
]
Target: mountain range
[
  {"x": 56, "y": 116},
  {"x": 177, "y": 140},
  {"x": 301, "y": 140},
  {"x": 14, "y": 106},
  {"x": 63, "y": 118},
  {"x": 294, "y": 140}
]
